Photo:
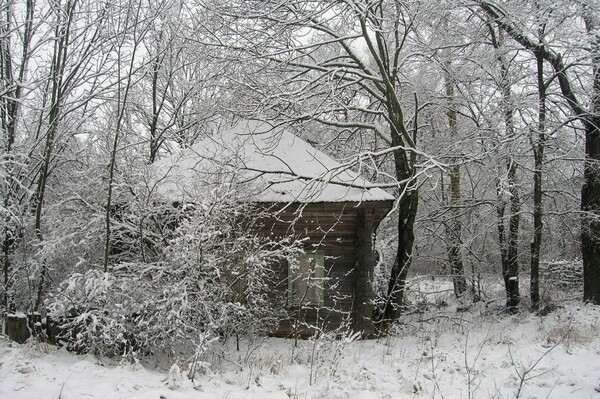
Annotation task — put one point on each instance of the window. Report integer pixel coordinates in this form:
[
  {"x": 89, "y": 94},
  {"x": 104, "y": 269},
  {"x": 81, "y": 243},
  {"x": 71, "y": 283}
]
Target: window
[{"x": 306, "y": 280}]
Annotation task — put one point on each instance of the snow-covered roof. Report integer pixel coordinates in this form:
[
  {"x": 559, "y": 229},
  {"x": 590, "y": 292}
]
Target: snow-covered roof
[{"x": 274, "y": 164}]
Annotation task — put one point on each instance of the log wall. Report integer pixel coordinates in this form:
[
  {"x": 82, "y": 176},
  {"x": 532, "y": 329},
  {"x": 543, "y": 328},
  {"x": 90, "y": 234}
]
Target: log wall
[{"x": 343, "y": 232}]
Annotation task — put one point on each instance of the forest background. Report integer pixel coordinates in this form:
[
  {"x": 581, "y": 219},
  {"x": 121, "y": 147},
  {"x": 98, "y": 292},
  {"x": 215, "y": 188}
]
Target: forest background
[{"x": 480, "y": 117}]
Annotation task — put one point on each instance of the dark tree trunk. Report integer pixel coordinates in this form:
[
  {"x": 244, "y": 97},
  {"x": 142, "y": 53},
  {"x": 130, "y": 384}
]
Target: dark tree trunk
[
  {"x": 59, "y": 60},
  {"x": 511, "y": 279},
  {"x": 407, "y": 211},
  {"x": 534, "y": 284},
  {"x": 60, "y": 82},
  {"x": 13, "y": 78},
  {"x": 590, "y": 205},
  {"x": 155, "y": 140},
  {"x": 404, "y": 162},
  {"x": 590, "y": 193},
  {"x": 508, "y": 241},
  {"x": 508, "y": 252},
  {"x": 6, "y": 249},
  {"x": 122, "y": 99},
  {"x": 538, "y": 156},
  {"x": 457, "y": 269}
]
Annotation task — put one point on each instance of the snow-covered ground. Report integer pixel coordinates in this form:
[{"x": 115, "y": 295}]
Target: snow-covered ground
[{"x": 441, "y": 353}]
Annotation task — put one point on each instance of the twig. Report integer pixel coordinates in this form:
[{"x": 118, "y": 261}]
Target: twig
[{"x": 62, "y": 387}]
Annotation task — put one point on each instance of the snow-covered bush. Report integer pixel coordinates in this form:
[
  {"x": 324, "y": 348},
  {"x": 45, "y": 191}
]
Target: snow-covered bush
[
  {"x": 93, "y": 310},
  {"x": 216, "y": 276}
]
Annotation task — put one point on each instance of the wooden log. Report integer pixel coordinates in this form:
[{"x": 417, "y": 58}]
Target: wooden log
[{"x": 16, "y": 327}]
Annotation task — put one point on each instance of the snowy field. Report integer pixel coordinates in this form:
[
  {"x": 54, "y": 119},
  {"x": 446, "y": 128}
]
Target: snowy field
[{"x": 437, "y": 353}]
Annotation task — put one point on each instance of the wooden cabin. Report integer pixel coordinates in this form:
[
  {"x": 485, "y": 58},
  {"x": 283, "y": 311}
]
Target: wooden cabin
[{"x": 312, "y": 197}]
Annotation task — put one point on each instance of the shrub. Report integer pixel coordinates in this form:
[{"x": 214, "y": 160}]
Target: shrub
[{"x": 215, "y": 278}]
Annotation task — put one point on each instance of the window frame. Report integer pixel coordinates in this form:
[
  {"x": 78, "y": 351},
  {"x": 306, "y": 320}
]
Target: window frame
[{"x": 315, "y": 286}]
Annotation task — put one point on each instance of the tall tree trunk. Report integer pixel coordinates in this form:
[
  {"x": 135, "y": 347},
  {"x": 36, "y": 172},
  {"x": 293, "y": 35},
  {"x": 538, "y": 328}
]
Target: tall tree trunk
[
  {"x": 57, "y": 99},
  {"x": 405, "y": 157},
  {"x": 590, "y": 193},
  {"x": 453, "y": 230},
  {"x": 123, "y": 89},
  {"x": 59, "y": 61},
  {"x": 538, "y": 146},
  {"x": 590, "y": 205},
  {"x": 156, "y": 109},
  {"x": 407, "y": 213},
  {"x": 65, "y": 67},
  {"x": 508, "y": 241},
  {"x": 511, "y": 277},
  {"x": 10, "y": 107}
]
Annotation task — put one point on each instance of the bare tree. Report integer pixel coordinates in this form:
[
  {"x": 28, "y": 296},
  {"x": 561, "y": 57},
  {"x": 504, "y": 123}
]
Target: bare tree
[
  {"x": 506, "y": 185},
  {"x": 341, "y": 65},
  {"x": 589, "y": 118},
  {"x": 538, "y": 145},
  {"x": 131, "y": 27},
  {"x": 453, "y": 229},
  {"x": 73, "y": 51},
  {"x": 177, "y": 98},
  {"x": 13, "y": 83}
]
